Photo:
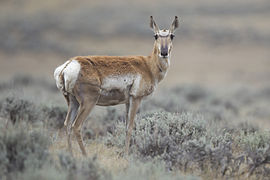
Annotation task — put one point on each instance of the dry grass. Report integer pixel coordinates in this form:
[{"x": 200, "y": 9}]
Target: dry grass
[
  {"x": 108, "y": 158},
  {"x": 227, "y": 110}
]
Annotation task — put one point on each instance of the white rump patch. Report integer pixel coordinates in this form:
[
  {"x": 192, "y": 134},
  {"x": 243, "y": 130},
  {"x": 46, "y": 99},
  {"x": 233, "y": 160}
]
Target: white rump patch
[
  {"x": 57, "y": 72},
  {"x": 70, "y": 71},
  {"x": 164, "y": 32},
  {"x": 122, "y": 82}
]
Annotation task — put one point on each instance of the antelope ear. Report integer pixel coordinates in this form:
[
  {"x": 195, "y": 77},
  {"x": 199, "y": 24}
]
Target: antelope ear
[
  {"x": 174, "y": 25},
  {"x": 153, "y": 25}
]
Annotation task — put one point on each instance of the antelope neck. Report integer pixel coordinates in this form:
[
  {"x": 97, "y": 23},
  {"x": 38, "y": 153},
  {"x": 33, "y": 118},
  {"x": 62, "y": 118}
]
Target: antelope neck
[{"x": 160, "y": 63}]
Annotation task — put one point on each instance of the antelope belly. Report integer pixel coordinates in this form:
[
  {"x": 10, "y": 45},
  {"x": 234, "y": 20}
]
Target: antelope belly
[{"x": 112, "y": 97}]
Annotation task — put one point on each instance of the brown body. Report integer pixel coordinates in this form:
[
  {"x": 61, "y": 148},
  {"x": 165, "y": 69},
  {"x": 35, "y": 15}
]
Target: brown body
[
  {"x": 98, "y": 68},
  {"x": 87, "y": 81}
]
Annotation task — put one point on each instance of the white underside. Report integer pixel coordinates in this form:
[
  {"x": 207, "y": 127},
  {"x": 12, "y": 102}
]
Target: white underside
[
  {"x": 122, "y": 83},
  {"x": 70, "y": 72}
]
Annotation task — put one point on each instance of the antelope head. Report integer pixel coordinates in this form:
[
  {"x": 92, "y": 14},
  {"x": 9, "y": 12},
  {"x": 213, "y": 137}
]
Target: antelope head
[{"x": 163, "y": 38}]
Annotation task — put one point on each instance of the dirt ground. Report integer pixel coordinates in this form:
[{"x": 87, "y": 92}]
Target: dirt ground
[
  {"x": 218, "y": 43},
  {"x": 191, "y": 63}
]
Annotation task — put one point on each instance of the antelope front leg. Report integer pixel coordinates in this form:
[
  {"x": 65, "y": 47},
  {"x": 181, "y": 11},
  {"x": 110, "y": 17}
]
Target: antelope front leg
[
  {"x": 127, "y": 112},
  {"x": 133, "y": 108}
]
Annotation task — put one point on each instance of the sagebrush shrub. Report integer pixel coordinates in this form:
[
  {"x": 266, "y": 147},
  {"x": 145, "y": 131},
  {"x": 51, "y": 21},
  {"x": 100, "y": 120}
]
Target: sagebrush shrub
[
  {"x": 153, "y": 169},
  {"x": 189, "y": 142},
  {"x": 255, "y": 145},
  {"x": 24, "y": 154},
  {"x": 18, "y": 109},
  {"x": 54, "y": 116},
  {"x": 21, "y": 149},
  {"x": 85, "y": 169},
  {"x": 47, "y": 172},
  {"x": 159, "y": 132},
  {"x": 206, "y": 140},
  {"x": 254, "y": 140}
]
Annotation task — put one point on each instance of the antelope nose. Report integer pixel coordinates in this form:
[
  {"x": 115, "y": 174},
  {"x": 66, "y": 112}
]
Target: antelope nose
[{"x": 164, "y": 53}]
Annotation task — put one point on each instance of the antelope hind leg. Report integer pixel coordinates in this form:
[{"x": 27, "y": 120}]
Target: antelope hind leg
[
  {"x": 73, "y": 106},
  {"x": 87, "y": 98}
]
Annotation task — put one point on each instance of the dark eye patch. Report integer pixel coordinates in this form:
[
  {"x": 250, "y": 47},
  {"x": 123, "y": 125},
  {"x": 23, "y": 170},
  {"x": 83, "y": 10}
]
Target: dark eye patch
[
  {"x": 156, "y": 36},
  {"x": 171, "y": 36}
]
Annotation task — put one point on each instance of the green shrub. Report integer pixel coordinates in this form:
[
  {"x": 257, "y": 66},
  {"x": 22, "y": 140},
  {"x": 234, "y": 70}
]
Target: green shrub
[
  {"x": 19, "y": 110},
  {"x": 157, "y": 133},
  {"x": 150, "y": 170},
  {"x": 24, "y": 153},
  {"x": 206, "y": 140},
  {"x": 21, "y": 148},
  {"x": 188, "y": 142},
  {"x": 256, "y": 151},
  {"x": 54, "y": 116},
  {"x": 16, "y": 110},
  {"x": 47, "y": 172},
  {"x": 87, "y": 168},
  {"x": 180, "y": 139},
  {"x": 254, "y": 140}
]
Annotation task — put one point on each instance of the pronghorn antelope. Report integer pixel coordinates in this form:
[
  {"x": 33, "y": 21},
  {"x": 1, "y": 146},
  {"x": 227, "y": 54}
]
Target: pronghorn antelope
[{"x": 86, "y": 81}]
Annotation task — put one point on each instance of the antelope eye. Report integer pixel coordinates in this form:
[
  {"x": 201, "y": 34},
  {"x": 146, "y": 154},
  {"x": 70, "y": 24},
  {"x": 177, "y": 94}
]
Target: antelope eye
[
  {"x": 156, "y": 36},
  {"x": 172, "y": 36}
]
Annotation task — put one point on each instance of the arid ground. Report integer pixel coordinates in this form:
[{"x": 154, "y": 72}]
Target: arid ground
[{"x": 209, "y": 118}]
